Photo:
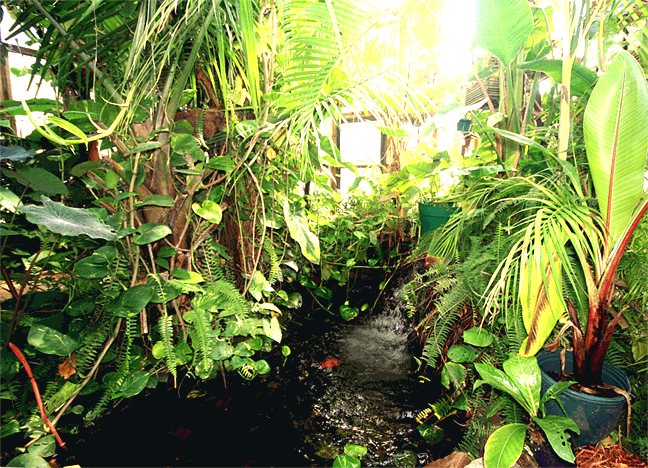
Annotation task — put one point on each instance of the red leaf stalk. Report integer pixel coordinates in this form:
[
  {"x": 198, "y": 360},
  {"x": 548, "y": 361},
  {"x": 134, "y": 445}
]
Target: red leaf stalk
[{"x": 39, "y": 401}]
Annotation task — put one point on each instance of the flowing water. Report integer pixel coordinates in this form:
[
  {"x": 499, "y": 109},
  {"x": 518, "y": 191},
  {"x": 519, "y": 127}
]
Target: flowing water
[{"x": 344, "y": 383}]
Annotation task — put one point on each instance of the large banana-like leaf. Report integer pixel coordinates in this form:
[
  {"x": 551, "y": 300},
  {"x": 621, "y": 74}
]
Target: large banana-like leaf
[
  {"x": 540, "y": 291},
  {"x": 503, "y": 26},
  {"x": 616, "y": 139}
]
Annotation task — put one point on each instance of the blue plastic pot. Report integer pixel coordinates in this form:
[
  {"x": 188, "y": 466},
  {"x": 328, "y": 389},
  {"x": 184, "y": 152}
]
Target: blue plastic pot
[{"x": 596, "y": 417}]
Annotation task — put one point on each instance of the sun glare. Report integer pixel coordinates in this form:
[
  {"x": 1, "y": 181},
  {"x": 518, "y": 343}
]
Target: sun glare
[{"x": 458, "y": 19}]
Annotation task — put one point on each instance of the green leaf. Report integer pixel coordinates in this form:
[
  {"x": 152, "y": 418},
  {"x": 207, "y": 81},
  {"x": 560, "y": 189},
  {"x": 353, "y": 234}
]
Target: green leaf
[
  {"x": 299, "y": 231},
  {"x": 209, "y": 210},
  {"x": 347, "y": 312},
  {"x": 501, "y": 381},
  {"x": 151, "y": 232},
  {"x": 68, "y": 221},
  {"x": 144, "y": 147},
  {"x": 94, "y": 266},
  {"x": 555, "y": 390},
  {"x": 157, "y": 200},
  {"x": 554, "y": 428},
  {"x": 83, "y": 168},
  {"x": 50, "y": 341},
  {"x": 504, "y": 446},
  {"x": 129, "y": 303},
  {"x": 8, "y": 200},
  {"x": 38, "y": 180},
  {"x": 44, "y": 447},
  {"x": 222, "y": 350},
  {"x": 9, "y": 428},
  {"x": 258, "y": 285},
  {"x": 431, "y": 433},
  {"x": 393, "y": 132},
  {"x": 262, "y": 367},
  {"x": 503, "y": 26},
  {"x": 346, "y": 461},
  {"x": 462, "y": 353},
  {"x": 582, "y": 79},
  {"x": 28, "y": 460},
  {"x": 133, "y": 384},
  {"x": 272, "y": 329},
  {"x": 478, "y": 337},
  {"x": 525, "y": 373},
  {"x": 453, "y": 373},
  {"x": 191, "y": 277},
  {"x": 616, "y": 138},
  {"x": 357, "y": 451}
]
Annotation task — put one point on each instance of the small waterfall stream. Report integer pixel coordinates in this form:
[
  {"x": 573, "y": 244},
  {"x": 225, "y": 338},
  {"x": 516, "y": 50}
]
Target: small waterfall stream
[{"x": 344, "y": 383}]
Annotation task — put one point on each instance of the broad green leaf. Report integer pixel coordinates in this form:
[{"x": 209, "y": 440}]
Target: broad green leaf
[
  {"x": 540, "y": 294},
  {"x": 144, "y": 147},
  {"x": 209, "y": 210},
  {"x": 616, "y": 139},
  {"x": 151, "y": 232},
  {"x": 191, "y": 277},
  {"x": 453, "y": 373},
  {"x": 222, "y": 350},
  {"x": 462, "y": 353},
  {"x": 582, "y": 79},
  {"x": 28, "y": 460},
  {"x": 525, "y": 374},
  {"x": 346, "y": 461},
  {"x": 357, "y": 451},
  {"x": 259, "y": 285},
  {"x": 503, "y": 26},
  {"x": 501, "y": 381},
  {"x": 15, "y": 153},
  {"x": 68, "y": 221},
  {"x": 157, "y": 200},
  {"x": 94, "y": 266},
  {"x": 82, "y": 169},
  {"x": 504, "y": 446},
  {"x": 9, "y": 428},
  {"x": 347, "y": 312},
  {"x": 129, "y": 303},
  {"x": 393, "y": 132},
  {"x": 272, "y": 329},
  {"x": 61, "y": 397},
  {"x": 44, "y": 447},
  {"x": 431, "y": 433},
  {"x": 262, "y": 366},
  {"x": 8, "y": 200},
  {"x": 38, "y": 180},
  {"x": 555, "y": 390},
  {"x": 478, "y": 337},
  {"x": 299, "y": 231},
  {"x": 50, "y": 341},
  {"x": 133, "y": 384},
  {"x": 554, "y": 428}
]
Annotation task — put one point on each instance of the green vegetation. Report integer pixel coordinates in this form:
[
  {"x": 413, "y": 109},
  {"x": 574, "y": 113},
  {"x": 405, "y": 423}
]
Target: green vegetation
[{"x": 176, "y": 205}]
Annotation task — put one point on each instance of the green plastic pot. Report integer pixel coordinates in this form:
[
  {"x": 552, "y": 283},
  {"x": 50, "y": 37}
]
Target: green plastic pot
[
  {"x": 596, "y": 417},
  {"x": 433, "y": 217}
]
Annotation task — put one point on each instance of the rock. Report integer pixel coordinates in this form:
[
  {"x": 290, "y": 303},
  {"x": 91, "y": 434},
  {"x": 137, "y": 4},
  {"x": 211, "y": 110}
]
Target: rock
[
  {"x": 454, "y": 460},
  {"x": 403, "y": 460}
]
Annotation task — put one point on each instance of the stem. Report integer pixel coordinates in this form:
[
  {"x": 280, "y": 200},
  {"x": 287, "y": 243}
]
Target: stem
[{"x": 39, "y": 401}]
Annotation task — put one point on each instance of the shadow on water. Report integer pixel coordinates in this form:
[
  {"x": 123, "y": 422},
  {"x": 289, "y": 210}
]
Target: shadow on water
[{"x": 344, "y": 383}]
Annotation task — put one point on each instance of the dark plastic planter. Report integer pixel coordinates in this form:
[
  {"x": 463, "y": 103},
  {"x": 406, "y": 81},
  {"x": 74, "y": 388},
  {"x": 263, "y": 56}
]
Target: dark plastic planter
[
  {"x": 433, "y": 217},
  {"x": 595, "y": 416}
]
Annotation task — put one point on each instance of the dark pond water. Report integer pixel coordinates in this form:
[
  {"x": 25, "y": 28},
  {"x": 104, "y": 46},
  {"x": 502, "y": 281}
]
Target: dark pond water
[{"x": 344, "y": 383}]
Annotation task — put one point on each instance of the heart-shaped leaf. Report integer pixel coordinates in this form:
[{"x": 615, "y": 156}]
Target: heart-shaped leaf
[
  {"x": 50, "y": 341},
  {"x": 68, "y": 221}
]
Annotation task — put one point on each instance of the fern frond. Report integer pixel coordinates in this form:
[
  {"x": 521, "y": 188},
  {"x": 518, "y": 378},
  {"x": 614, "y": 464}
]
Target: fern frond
[
  {"x": 203, "y": 337},
  {"x": 166, "y": 333}
]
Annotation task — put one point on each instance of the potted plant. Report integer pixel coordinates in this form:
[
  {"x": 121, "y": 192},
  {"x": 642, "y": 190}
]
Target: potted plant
[{"x": 566, "y": 246}]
